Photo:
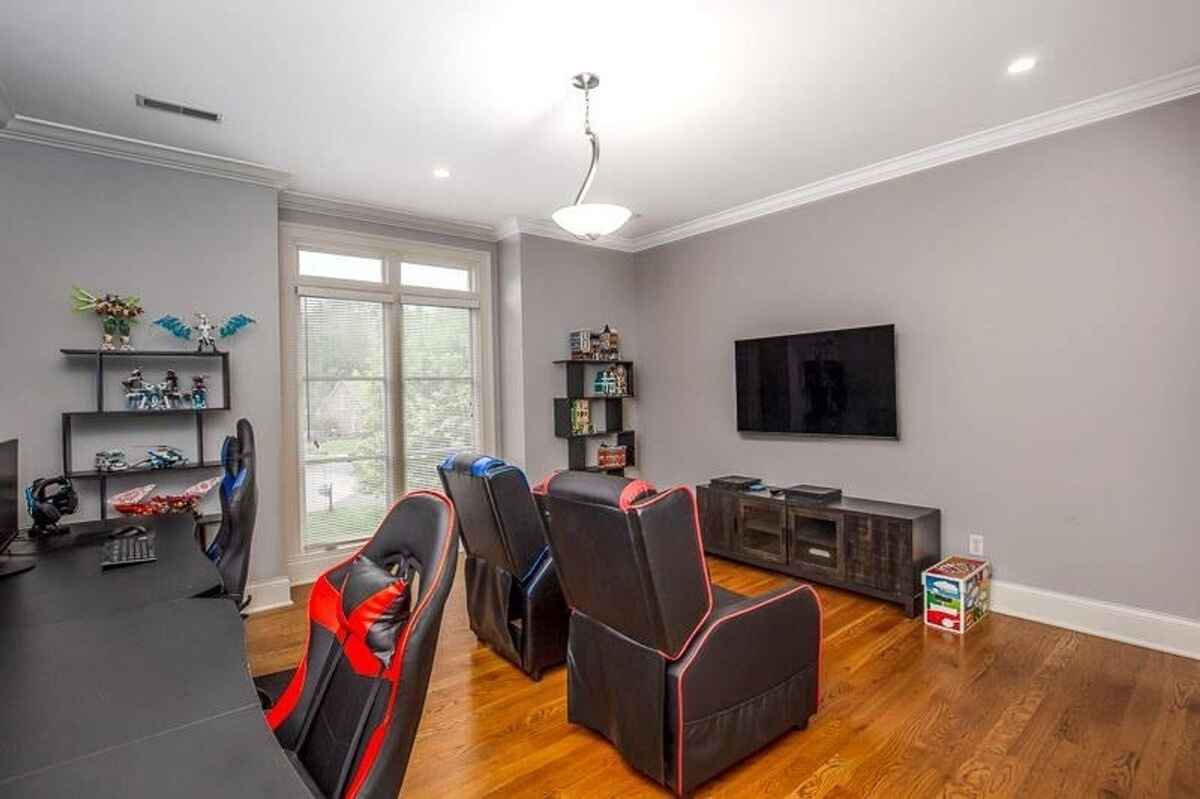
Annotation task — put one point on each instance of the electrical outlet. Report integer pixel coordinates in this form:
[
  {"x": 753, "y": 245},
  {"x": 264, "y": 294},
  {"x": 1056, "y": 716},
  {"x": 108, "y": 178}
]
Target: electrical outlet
[{"x": 976, "y": 544}]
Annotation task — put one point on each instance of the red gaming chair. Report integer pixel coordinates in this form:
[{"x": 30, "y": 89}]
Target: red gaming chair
[
  {"x": 348, "y": 717},
  {"x": 683, "y": 677}
]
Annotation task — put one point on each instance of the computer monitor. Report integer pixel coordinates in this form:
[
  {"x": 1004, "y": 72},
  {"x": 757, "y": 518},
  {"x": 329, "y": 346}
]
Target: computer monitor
[{"x": 10, "y": 493}]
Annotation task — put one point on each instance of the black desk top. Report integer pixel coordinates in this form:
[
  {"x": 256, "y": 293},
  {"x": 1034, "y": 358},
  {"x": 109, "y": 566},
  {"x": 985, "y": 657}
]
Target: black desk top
[
  {"x": 68, "y": 582},
  {"x": 119, "y": 684},
  {"x": 231, "y": 755}
]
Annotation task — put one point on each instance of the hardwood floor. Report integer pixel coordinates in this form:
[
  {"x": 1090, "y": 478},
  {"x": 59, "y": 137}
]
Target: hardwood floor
[{"x": 1016, "y": 709}]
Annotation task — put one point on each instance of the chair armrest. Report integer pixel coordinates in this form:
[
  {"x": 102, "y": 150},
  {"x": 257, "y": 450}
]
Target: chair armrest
[{"x": 747, "y": 648}]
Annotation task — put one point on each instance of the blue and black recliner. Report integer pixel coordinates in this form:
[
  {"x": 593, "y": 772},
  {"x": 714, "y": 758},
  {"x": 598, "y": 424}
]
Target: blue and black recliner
[
  {"x": 514, "y": 601},
  {"x": 230, "y": 548}
]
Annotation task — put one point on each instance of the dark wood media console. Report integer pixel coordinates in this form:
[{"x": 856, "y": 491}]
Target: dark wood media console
[{"x": 874, "y": 548}]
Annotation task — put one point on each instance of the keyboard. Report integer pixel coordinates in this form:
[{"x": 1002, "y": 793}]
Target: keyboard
[{"x": 127, "y": 550}]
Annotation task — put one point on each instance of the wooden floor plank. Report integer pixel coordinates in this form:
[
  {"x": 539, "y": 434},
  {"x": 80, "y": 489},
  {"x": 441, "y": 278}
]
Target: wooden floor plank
[{"x": 1013, "y": 709}]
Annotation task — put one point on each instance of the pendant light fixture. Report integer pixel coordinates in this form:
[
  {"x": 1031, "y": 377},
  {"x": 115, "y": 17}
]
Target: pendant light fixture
[{"x": 590, "y": 221}]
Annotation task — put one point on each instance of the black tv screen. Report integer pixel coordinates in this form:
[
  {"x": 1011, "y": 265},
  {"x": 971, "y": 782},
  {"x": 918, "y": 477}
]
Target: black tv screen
[{"x": 834, "y": 383}]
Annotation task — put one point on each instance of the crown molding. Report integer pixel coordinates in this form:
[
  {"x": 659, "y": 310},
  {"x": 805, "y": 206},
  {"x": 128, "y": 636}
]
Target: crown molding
[
  {"x": 547, "y": 229},
  {"x": 69, "y": 137},
  {"x": 1116, "y": 103},
  {"x": 382, "y": 215}
]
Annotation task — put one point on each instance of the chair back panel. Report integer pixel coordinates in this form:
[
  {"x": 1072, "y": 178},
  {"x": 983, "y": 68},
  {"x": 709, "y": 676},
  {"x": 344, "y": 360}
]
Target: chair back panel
[
  {"x": 351, "y": 711},
  {"x": 230, "y": 547},
  {"x": 628, "y": 558},
  {"x": 497, "y": 516}
]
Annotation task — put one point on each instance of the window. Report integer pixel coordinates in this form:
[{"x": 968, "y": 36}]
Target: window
[
  {"x": 390, "y": 374},
  {"x": 435, "y": 277},
  {"x": 343, "y": 410},
  {"x": 340, "y": 267},
  {"x": 440, "y": 391}
]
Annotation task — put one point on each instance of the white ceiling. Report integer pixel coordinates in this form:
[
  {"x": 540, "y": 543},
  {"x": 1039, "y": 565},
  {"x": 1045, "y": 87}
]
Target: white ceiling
[{"x": 702, "y": 106}]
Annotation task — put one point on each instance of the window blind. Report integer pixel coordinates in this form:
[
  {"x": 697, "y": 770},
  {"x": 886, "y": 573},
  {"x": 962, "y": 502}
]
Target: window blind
[
  {"x": 344, "y": 421},
  {"x": 439, "y": 389}
]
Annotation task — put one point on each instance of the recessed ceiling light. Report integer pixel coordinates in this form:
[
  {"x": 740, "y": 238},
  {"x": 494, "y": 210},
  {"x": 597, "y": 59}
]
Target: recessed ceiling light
[
  {"x": 1022, "y": 64},
  {"x": 441, "y": 173}
]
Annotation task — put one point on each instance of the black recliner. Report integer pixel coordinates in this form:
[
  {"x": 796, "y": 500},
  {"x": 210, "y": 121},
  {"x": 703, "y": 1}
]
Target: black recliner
[
  {"x": 349, "y": 715},
  {"x": 684, "y": 678},
  {"x": 230, "y": 547},
  {"x": 514, "y": 602}
]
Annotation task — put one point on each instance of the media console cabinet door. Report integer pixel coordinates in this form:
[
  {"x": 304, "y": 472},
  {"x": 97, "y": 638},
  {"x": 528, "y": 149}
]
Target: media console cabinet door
[
  {"x": 762, "y": 530},
  {"x": 718, "y": 518},
  {"x": 879, "y": 552},
  {"x": 817, "y": 548}
]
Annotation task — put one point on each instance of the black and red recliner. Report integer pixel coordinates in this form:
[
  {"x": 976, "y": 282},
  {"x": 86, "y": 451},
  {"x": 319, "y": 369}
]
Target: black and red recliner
[
  {"x": 514, "y": 602},
  {"x": 684, "y": 678},
  {"x": 348, "y": 717}
]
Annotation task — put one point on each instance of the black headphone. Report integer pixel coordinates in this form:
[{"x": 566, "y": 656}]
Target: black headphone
[{"x": 48, "y": 500}]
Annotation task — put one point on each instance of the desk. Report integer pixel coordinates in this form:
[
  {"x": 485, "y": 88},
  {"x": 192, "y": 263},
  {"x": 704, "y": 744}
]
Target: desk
[
  {"x": 119, "y": 690},
  {"x": 68, "y": 582}
]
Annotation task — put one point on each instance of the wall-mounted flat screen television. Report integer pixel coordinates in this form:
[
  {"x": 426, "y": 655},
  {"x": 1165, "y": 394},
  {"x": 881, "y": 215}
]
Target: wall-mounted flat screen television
[{"x": 833, "y": 383}]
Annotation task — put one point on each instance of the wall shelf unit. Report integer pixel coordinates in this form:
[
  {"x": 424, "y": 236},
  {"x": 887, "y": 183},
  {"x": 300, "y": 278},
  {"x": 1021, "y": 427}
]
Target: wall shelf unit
[
  {"x": 607, "y": 409},
  {"x": 101, "y": 358}
]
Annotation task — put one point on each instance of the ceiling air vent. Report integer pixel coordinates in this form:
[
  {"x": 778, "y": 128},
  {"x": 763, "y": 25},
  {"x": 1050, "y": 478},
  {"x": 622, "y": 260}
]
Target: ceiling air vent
[{"x": 176, "y": 108}]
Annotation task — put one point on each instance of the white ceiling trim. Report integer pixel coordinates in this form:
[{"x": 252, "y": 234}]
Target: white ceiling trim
[
  {"x": 379, "y": 214},
  {"x": 68, "y": 137},
  {"x": 548, "y": 229},
  {"x": 1122, "y": 101}
]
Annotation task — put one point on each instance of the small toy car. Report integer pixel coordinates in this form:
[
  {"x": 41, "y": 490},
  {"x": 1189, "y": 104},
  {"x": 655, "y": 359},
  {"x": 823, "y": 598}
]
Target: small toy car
[
  {"x": 111, "y": 460},
  {"x": 164, "y": 457}
]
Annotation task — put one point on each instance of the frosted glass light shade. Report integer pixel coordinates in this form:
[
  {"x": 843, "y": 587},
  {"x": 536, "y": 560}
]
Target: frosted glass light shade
[{"x": 591, "y": 220}]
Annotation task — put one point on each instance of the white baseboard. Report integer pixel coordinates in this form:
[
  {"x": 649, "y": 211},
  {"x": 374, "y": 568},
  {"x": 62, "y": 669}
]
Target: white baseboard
[
  {"x": 269, "y": 594},
  {"x": 1162, "y": 631}
]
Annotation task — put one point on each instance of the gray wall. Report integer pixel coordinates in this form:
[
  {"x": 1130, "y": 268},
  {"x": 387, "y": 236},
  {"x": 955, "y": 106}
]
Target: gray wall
[
  {"x": 1045, "y": 300},
  {"x": 563, "y": 286},
  {"x": 511, "y": 356},
  {"x": 183, "y": 243}
]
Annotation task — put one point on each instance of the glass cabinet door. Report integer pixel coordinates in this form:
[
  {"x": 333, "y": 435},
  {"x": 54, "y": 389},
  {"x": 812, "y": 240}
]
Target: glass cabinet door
[{"x": 762, "y": 530}]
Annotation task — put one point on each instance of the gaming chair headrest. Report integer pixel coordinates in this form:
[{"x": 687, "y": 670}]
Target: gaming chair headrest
[
  {"x": 596, "y": 489},
  {"x": 471, "y": 463},
  {"x": 497, "y": 515}
]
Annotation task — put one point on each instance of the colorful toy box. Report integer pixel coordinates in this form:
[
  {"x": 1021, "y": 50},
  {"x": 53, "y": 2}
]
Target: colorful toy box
[{"x": 957, "y": 593}]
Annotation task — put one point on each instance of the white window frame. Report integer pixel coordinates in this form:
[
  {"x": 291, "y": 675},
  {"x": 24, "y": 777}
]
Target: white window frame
[{"x": 304, "y": 566}]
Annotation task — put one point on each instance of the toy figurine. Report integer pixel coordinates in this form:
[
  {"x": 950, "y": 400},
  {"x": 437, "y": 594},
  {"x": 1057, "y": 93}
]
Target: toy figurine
[
  {"x": 172, "y": 397},
  {"x": 111, "y": 460},
  {"x": 135, "y": 390},
  {"x": 199, "y": 393},
  {"x": 581, "y": 417},
  {"x": 163, "y": 457},
  {"x": 206, "y": 332},
  {"x": 117, "y": 314}
]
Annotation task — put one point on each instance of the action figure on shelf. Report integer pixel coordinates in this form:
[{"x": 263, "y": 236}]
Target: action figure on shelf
[
  {"x": 117, "y": 314},
  {"x": 172, "y": 397},
  {"x": 199, "y": 393},
  {"x": 205, "y": 331},
  {"x": 135, "y": 390}
]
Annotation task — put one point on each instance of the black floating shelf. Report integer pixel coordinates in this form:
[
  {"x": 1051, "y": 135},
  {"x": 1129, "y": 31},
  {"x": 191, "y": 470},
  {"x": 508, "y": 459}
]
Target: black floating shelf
[
  {"x": 141, "y": 353},
  {"x": 596, "y": 434},
  {"x": 593, "y": 363},
  {"x": 602, "y": 469},
  {"x": 187, "y": 467},
  {"x": 599, "y": 397},
  {"x": 84, "y": 529},
  {"x": 165, "y": 412}
]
